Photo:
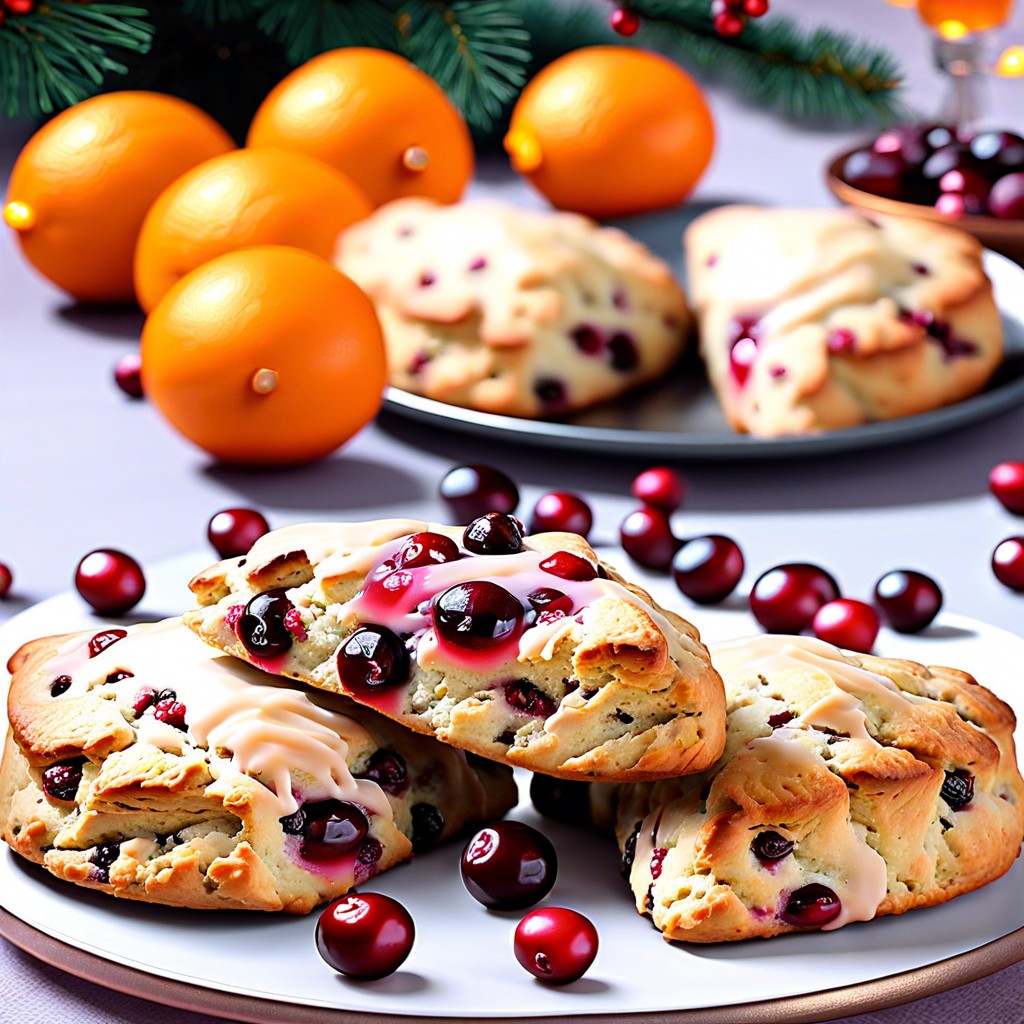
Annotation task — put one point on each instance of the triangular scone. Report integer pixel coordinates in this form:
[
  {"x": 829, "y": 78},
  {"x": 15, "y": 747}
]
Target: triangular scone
[
  {"x": 143, "y": 763},
  {"x": 851, "y": 787},
  {"x": 588, "y": 677},
  {"x": 817, "y": 319}
]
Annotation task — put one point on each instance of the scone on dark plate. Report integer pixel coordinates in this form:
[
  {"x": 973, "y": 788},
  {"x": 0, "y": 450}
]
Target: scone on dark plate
[
  {"x": 513, "y": 311},
  {"x": 527, "y": 651},
  {"x": 144, "y": 764},
  {"x": 812, "y": 320}
]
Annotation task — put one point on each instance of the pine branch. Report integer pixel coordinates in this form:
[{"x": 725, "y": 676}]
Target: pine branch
[
  {"x": 216, "y": 12},
  {"x": 57, "y": 54},
  {"x": 306, "y": 28}
]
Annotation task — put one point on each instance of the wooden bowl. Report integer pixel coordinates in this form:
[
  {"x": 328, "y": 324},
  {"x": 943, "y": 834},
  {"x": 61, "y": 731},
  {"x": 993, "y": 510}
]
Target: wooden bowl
[{"x": 1005, "y": 236}]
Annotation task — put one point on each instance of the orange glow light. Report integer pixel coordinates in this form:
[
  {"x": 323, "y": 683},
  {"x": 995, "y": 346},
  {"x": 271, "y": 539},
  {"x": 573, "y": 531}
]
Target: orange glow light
[
  {"x": 952, "y": 28},
  {"x": 1011, "y": 62}
]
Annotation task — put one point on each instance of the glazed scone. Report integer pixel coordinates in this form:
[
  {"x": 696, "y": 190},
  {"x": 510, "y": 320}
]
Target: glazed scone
[
  {"x": 514, "y": 311},
  {"x": 851, "y": 787},
  {"x": 816, "y": 319},
  {"x": 142, "y": 763},
  {"x": 525, "y": 654}
]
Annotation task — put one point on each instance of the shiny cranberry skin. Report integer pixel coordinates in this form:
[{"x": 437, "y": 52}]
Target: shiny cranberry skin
[
  {"x": 60, "y": 684},
  {"x": 707, "y": 569},
  {"x": 128, "y": 374},
  {"x": 547, "y": 599},
  {"x": 1006, "y": 482},
  {"x": 109, "y": 580},
  {"x": 371, "y": 660},
  {"x": 555, "y": 944},
  {"x": 561, "y": 799},
  {"x": 262, "y": 628},
  {"x": 332, "y": 829},
  {"x": 659, "y": 487},
  {"x": 567, "y": 566},
  {"x": 958, "y": 789},
  {"x": 878, "y": 173},
  {"x": 61, "y": 781},
  {"x": 509, "y": 866},
  {"x": 770, "y": 846},
  {"x": 847, "y": 623},
  {"x": 998, "y": 152},
  {"x": 528, "y": 699},
  {"x": 563, "y": 512},
  {"x": 1007, "y": 197},
  {"x": 646, "y": 536},
  {"x": 365, "y": 935},
  {"x": 906, "y": 141},
  {"x": 493, "y": 534},
  {"x": 232, "y": 531},
  {"x": 1008, "y": 563},
  {"x": 477, "y": 615},
  {"x": 6, "y": 579},
  {"x": 953, "y": 157},
  {"x": 171, "y": 712},
  {"x": 786, "y": 598},
  {"x": 811, "y": 906},
  {"x": 388, "y": 770},
  {"x": 471, "y": 491},
  {"x": 909, "y": 600},
  {"x": 99, "y": 642},
  {"x": 426, "y": 548}
]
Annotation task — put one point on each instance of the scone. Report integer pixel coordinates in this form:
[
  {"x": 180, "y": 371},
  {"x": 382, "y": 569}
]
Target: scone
[
  {"x": 514, "y": 311},
  {"x": 816, "y": 319},
  {"x": 525, "y": 651},
  {"x": 142, "y": 763},
  {"x": 851, "y": 787}
]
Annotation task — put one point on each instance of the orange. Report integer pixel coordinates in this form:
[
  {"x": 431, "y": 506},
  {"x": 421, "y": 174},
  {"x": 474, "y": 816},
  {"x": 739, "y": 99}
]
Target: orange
[
  {"x": 245, "y": 198},
  {"x": 265, "y": 356},
  {"x": 375, "y": 117},
  {"x": 83, "y": 183},
  {"x": 609, "y": 130}
]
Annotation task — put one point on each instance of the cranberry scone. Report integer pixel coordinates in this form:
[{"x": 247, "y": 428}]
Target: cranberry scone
[
  {"x": 142, "y": 763},
  {"x": 816, "y": 319},
  {"x": 851, "y": 787},
  {"x": 514, "y": 311},
  {"x": 524, "y": 650}
]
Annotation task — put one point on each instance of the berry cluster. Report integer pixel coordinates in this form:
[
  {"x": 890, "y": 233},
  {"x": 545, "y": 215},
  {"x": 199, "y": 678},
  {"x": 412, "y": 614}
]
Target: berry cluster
[
  {"x": 730, "y": 16},
  {"x": 1006, "y": 481}
]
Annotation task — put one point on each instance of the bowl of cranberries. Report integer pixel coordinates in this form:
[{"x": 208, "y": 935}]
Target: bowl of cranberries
[{"x": 974, "y": 180}]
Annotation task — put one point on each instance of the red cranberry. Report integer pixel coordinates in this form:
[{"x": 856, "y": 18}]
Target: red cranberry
[
  {"x": 659, "y": 487},
  {"x": 847, "y": 623},
  {"x": 365, "y": 935},
  {"x": 423, "y": 549},
  {"x": 524, "y": 697},
  {"x": 587, "y": 339},
  {"x": 128, "y": 374},
  {"x": 964, "y": 181},
  {"x": 568, "y": 566},
  {"x": 1008, "y": 563},
  {"x": 646, "y": 536},
  {"x": 103, "y": 856},
  {"x": 953, "y": 157},
  {"x": 785, "y": 598},
  {"x": 958, "y": 789},
  {"x": 998, "y": 152},
  {"x": 262, "y": 628},
  {"x": 144, "y": 699},
  {"x": 332, "y": 829},
  {"x": 61, "y": 684},
  {"x": 427, "y": 827},
  {"x": 547, "y": 599},
  {"x": 109, "y": 580},
  {"x": 1007, "y": 196},
  {"x": 171, "y": 712},
  {"x": 623, "y": 352},
  {"x": 745, "y": 333},
  {"x": 779, "y": 720},
  {"x": 563, "y": 512},
  {"x": 878, "y": 173},
  {"x": 728, "y": 25},
  {"x": 234, "y": 530},
  {"x": 624, "y": 21},
  {"x": 555, "y": 944},
  {"x": 370, "y": 660},
  {"x": 950, "y": 204},
  {"x": 811, "y": 906},
  {"x": 6, "y": 579},
  {"x": 493, "y": 534},
  {"x": 471, "y": 491},
  {"x": 477, "y": 615},
  {"x": 61, "y": 781},
  {"x": 771, "y": 846},
  {"x": 909, "y": 600},
  {"x": 561, "y": 799},
  {"x": 388, "y": 770},
  {"x": 707, "y": 569},
  {"x": 552, "y": 395},
  {"x": 908, "y": 142},
  {"x": 755, "y": 8},
  {"x": 99, "y": 642},
  {"x": 1006, "y": 481},
  {"x": 509, "y": 866}
]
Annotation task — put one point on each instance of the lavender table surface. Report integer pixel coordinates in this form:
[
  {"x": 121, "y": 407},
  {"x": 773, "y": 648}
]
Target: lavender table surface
[{"x": 85, "y": 468}]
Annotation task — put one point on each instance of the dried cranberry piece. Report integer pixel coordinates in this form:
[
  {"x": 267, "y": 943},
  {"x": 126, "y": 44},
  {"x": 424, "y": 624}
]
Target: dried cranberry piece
[
  {"x": 958, "y": 789},
  {"x": 60, "y": 685},
  {"x": 171, "y": 712},
  {"x": 568, "y": 566},
  {"x": 388, "y": 770},
  {"x": 522, "y": 695},
  {"x": 771, "y": 846},
  {"x": 61, "y": 781},
  {"x": 142, "y": 700}
]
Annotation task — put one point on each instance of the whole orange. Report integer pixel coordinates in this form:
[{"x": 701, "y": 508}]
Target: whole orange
[
  {"x": 240, "y": 199},
  {"x": 266, "y": 356},
  {"x": 82, "y": 185},
  {"x": 609, "y": 130},
  {"x": 374, "y": 116}
]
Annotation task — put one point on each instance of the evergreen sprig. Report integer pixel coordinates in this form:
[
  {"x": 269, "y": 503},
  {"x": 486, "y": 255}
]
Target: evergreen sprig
[{"x": 51, "y": 58}]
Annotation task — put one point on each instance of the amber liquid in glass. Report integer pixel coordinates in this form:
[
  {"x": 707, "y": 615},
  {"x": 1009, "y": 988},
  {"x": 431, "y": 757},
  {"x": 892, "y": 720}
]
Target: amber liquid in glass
[{"x": 956, "y": 18}]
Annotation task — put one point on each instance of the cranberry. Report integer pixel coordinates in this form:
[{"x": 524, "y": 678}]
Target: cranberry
[
  {"x": 771, "y": 846},
  {"x": 99, "y": 642},
  {"x": 755, "y": 8},
  {"x": 939, "y": 135},
  {"x": 646, "y": 536},
  {"x": 1007, "y": 196},
  {"x": 908, "y": 599},
  {"x": 128, "y": 374},
  {"x": 1008, "y": 562},
  {"x": 427, "y": 827},
  {"x": 555, "y": 944},
  {"x": 144, "y": 698},
  {"x": 998, "y": 151},
  {"x": 477, "y": 615},
  {"x": 370, "y": 660},
  {"x": 61, "y": 781},
  {"x": 587, "y": 339},
  {"x": 388, "y": 770},
  {"x": 110, "y": 581},
  {"x": 365, "y": 935},
  {"x": 811, "y": 906},
  {"x": 103, "y": 857},
  {"x": 623, "y": 351},
  {"x": 1006, "y": 482},
  {"x": 561, "y": 511},
  {"x": 847, "y": 623},
  {"x": 659, "y": 487},
  {"x": 471, "y": 491},
  {"x": 707, "y": 569},
  {"x": 568, "y": 566},
  {"x": 552, "y": 395},
  {"x": 908, "y": 142},
  {"x": 561, "y": 799},
  {"x": 950, "y": 204},
  {"x": 878, "y": 173},
  {"x": 966, "y": 182},
  {"x": 522, "y": 695},
  {"x": 171, "y": 712},
  {"x": 332, "y": 829},
  {"x": 953, "y": 157},
  {"x": 262, "y": 628},
  {"x": 6, "y": 579},
  {"x": 547, "y": 599},
  {"x": 509, "y": 866},
  {"x": 728, "y": 25},
  {"x": 958, "y": 789},
  {"x": 423, "y": 549},
  {"x": 494, "y": 534},
  {"x": 785, "y": 598},
  {"x": 744, "y": 336},
  {"x": 782, "y": 718},
  {"x": 233, "y": 531},
  {"x": 60, "y": 685}
]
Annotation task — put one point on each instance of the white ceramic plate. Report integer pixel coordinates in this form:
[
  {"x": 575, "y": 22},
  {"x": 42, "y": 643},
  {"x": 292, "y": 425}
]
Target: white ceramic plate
[{"x": 263, "y": 967}]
